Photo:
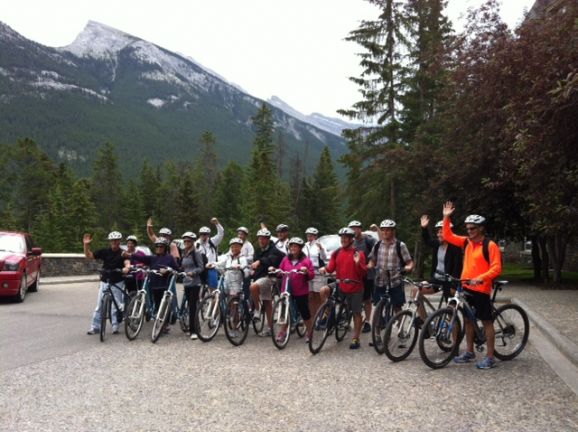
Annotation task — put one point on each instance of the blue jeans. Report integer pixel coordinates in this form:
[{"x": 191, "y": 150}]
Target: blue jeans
[{"x": 117, "y": 296}]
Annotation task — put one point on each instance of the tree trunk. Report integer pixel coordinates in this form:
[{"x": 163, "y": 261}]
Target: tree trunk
[
  {"x": 536, "y": 260},
  {"x": 418, "y": 257},
  {"x": 557, "y": 251},
  {"x": 545, "y": 258}
]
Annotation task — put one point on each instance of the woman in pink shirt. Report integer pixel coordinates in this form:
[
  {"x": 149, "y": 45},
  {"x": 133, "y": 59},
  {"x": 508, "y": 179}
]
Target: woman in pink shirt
[{"x": 299, "y": 281}]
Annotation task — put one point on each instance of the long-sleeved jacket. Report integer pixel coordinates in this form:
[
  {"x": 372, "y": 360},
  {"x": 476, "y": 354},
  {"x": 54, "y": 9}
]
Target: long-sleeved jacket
[
  {"x": 453, "y": 259},
  {"x": 192, "y": 262},
  {"x": 344, "y": 266},
  {"x": 268, "y": 257},
  {"x": 207, "y": 249},
  {"x": 299, "y": 281}
]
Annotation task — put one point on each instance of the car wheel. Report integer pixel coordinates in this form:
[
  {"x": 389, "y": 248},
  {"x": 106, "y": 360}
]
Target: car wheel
[
  {"x": 34, "y": 287},
  {"x": 21, "y": 291}
]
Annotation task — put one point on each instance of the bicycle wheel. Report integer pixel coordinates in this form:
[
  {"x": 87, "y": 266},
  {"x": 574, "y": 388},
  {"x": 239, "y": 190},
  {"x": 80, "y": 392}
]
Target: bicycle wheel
[
  {"x": 440, "y": 344},
  {"x": 300, "y": 327},
  {"x": 162, "y": 318},
  {"x": 400, "y": 336},
  {"x": 208, "y": 318},
  {"x": 322, "y": 324},
  {"x": 259, "y": 324},
  {"x": 512, "y": 329},
  {"x": 342, "y": 320},
  {"x": 184, "y": 316},
  {"x": 382, "y": 313},
  {"x": 104, "y": 314},
  {"x": 281, "y": 328},
  {"x": 134, "y": 316},
  {"x": 236, "y": 323}
]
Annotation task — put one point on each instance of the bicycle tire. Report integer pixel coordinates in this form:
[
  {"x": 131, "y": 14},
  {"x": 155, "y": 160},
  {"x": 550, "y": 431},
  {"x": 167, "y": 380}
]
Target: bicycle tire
[
  {"x": 400, "y": 336},
  {"x": 134, "y": 319},
  {"x": 236, "y": 324},
  {"x": 104, "y": 314},
  {"x": 207, "y": 328},
  {"x": 343, "y": 317},
  {"x": 440, "y": 344},
  {"x": 161, "y": 319},
  {"x": 259, "y": 324},
  {"x": 512, "y": 329},
  {"x": 281, "y": 310},
  {"x": 382, "y": 314},
  {"x": 300, "y": 327},
  {"x": 184, "y": 316},
  {"x": 321, "y": 327}
]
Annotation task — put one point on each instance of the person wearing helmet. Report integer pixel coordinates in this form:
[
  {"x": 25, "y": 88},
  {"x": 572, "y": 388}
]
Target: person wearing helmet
[
  {"x": 247, "y": 250},
  {"x": 266, "y": 255},
  {"x": 390, "y": 257},
  {"x": 166, "y": 233},
  {"x": 234, "y": 266},
  {"x": 481, "y": 270},
  {"x": 299, "y": 282},
  {"x": 112, "y": 261},
  {"x": 192, "y": 264},
  {"x": 318, "y": 256},
  {"x": 282, "y": 242},
  {"x": 446, "y": 258},
  {"x": 134, "y": 281},
  {"x": 348, "y": 263},
  {"x": 364, "y": 243},
  {"x": 208, "y": 246}
]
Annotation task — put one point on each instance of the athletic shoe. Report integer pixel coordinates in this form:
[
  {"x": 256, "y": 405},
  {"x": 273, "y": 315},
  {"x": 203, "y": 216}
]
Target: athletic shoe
[
  {"x": 354, "y": 344},
  {"x": 114, "y": 329},
  {"x": 265, "y": 333},
  {"x": 465, "y": 357},
  {"x": 93, "y": 331},
  {"x": 256, "y": 315},
  {"x": 418, "y": 322},
  {"x": 486, "y": 363},
  {"x": 366, "y": 327},
  {"x": 194, "y": 336}
]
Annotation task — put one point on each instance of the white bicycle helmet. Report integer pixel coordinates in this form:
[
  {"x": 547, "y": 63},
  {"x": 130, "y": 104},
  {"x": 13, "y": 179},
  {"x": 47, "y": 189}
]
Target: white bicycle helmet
[
  {"x": 243, "y": 229},
  {"x": 440, "y": 224},
  {"x": 297, "y": 241},
  {"x": 189, "y": 234},
  {"x": 387, "y": 223},
  {"x": 346, "y": 231},
  {"x": 115, "y": 235},
  {"x": 133, "y": 238},
  {"x": 281, "y": 227},
  {"x": 161, "y": 241},
  {"x": 312, "y": 230},
  {"x": 165, "y": 231},
  {"x": 205, "y": 230},
  {"x": 475, "y": 219},
  {"x": 354, "y": 224},
  {"x": 236, "y": 240},
  {"x": 263, "y": 233}
]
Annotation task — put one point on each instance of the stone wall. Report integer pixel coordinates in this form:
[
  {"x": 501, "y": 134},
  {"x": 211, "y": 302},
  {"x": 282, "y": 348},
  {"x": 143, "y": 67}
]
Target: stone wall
[{"x": 68, "y": 265}]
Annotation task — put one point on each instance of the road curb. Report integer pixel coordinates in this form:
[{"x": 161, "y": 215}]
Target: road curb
[
  {"x": 561, "y": 342},
  {"x": 65, "y": 280}
]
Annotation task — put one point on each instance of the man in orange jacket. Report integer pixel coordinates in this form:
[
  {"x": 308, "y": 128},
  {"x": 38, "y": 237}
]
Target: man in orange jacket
[{"x": 482, "y": 264}]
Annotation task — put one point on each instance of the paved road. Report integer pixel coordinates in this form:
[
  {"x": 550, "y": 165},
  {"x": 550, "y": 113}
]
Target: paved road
[{"x": 54, "y": 377}]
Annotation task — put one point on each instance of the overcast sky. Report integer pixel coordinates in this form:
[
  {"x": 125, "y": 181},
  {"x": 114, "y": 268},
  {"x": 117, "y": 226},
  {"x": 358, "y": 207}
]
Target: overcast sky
[{"x": 292, "y": 49}]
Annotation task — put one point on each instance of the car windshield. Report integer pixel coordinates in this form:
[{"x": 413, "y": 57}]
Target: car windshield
[{"x": 11, "y": 243}]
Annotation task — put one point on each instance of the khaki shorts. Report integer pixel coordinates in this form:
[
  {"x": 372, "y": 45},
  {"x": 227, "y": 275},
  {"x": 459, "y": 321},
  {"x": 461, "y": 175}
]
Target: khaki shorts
[
  {"x": 317, "y": 283},
  {"x": 265, "y": 285}
]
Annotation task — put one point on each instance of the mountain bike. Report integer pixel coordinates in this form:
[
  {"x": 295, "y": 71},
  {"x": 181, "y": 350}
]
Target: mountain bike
[
  {"x": 239, "y": 316},
  {"x": 108, "y": 300},
  {"x": 139, "y": 308},
  {"x": 334, "y": 315},
  {"x": 166, "y": 308},
  {"x": 286, "y": 317},
  {"x": 400, "y": 334},
  {"x": 440, "y": 343},
  {"x": 211, "y": 310},
  {"x": 382, "y": 314}
]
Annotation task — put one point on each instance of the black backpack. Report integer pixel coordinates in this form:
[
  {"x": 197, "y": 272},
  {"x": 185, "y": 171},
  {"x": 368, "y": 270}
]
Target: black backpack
[
  {"x": 205, "y": 273},
  {"x": 485, "y": 248},
  {"x": 397, "y": 248}
]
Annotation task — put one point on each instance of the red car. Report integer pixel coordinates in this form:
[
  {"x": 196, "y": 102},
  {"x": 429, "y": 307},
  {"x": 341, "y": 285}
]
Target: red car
[{"x": 19, "y": 265}]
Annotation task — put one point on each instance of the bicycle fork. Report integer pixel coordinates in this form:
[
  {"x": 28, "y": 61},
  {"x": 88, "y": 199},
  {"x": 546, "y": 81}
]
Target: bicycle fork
[{"x": 282, "y": 313}]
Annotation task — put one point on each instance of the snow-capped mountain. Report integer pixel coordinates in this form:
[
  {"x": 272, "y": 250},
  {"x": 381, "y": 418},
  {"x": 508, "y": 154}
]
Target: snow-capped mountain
[
  {"x": 332, "y": 125},
  {"x": 152, "y": 103}
]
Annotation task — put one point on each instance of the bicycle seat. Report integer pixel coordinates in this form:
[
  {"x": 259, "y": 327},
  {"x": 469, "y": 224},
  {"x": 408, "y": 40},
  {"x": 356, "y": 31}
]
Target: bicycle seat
[{"x": 498, "y": 284}]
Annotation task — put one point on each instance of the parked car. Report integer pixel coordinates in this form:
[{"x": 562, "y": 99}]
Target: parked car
[
  {"x": 331, "y": 242},
  {"x": 20, "y": 264}
]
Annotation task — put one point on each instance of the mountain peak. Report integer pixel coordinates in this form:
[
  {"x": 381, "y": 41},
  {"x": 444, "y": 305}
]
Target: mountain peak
[
  {"x": 99, "y": 41},
  {"x": 7, "y": 33}
]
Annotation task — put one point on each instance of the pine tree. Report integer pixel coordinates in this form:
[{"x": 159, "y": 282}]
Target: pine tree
[
  {"x": 206, "y": 173},
  {"x": 326, "y": 200},
  {"x": 106, "y": 187},
  {"x": 229, "y": 196}
]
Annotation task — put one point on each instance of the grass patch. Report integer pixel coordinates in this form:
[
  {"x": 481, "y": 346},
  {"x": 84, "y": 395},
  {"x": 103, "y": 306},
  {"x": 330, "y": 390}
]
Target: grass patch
[{"x": 525, "y": 273}]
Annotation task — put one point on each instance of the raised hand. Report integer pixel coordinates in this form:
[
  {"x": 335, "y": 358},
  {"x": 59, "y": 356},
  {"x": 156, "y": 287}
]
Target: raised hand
[
  {"x": 448, "y": 209},
  {"x": 424, "y": 221},
  {"x": 86, "y": 239},
  {"x": 215, "y": 221},
  {"x": 150, "y": 221}
]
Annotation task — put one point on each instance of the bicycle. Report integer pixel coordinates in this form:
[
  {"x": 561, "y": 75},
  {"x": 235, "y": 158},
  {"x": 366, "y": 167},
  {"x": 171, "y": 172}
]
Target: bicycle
[
  {"x": 511, "y": 326},
  {"x": 286, "y": 317},
  {"x": 108, "y": 300},
  {"x": 211, "y": 311},
  {"x": 239, "y": 315},
  {"x": 139, "y": 308},
  {"x": 382, "y": 314},
  {"x": 166, "y": 307},
  {"x": 400, "y": 334},
  {"x": 334, "y": 315}
]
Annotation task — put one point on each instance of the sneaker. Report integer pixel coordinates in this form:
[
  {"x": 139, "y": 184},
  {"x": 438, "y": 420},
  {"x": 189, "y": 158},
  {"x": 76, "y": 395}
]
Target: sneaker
[
  {"x": 281, "y": 336},
  {"x": 354, "y": 344},
  {"x": 366, "y": 327},
  {"x": 486, "y": 363},
  {"x": 256, "y": 315},
  {"x": 265, "y": 333},
  {"x": 465, "y": 357},
  {"x": 166, "y": 329},
  {"x": 194, "y": 336},
  {"x": 114, "y": 329},
  {"x": 307, "y": 339},
  {"x": 93, "y": 331},
  {"x": 418, "y": 322},
  {"x": 233, "y": 333}
]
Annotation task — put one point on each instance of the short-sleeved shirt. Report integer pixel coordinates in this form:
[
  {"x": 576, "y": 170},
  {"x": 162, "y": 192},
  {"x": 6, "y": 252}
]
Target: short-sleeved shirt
[
  {"x": 111, "y": 260},
  {"x": 388, "y": 260}
]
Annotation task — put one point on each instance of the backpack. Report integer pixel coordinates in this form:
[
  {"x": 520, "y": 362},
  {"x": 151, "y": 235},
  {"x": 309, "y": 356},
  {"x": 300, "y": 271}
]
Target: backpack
[
  {"x": 397, "y": 248},
  {"x": 485, "y": 248}
]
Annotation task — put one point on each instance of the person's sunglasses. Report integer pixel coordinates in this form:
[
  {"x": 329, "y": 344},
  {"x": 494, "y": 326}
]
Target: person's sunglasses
[{"x": 471, "y": 228}]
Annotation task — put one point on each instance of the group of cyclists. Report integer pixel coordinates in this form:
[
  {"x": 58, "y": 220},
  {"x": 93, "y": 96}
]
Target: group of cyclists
[{"x": 365, "y": 267}]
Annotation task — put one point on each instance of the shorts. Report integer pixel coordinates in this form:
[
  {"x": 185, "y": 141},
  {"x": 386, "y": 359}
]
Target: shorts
[
  {"x": 396, "y": 294},
  {"x": 438, "y": 285},
  {"x": 316, "y": 283},
  {"x": 302, "y": 305},
  {"x": 481, "y": 304},
  {"x": 265, "y": 285},
  {"x": 354, "y": 300},
  {"x": 234, "y": 289},
  {"x": 368, "y": 289}
]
